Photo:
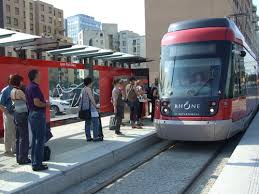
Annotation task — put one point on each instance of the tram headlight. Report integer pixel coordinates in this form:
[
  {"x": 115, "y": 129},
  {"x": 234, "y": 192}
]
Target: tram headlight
[
  {"x": 212, "y": 107},
  {"x": 212, "y": 110},
  {"x": 165, "y": 108}
]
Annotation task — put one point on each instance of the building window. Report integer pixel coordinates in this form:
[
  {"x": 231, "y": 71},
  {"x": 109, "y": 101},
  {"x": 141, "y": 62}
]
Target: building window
[
  {"x": 17, "y": 12},
  {"x": 101, "y": 41},
  {"x": 42, "y": 7},
  {"x": 16, "y": 1},
  {"x": 24, "y": 14},
  {"x": 60, "y": 23},
  {"x": 42, "y": 18},
  {"x": 59, "y": 14},
  {"x": 50, "y": 10},
  {"x": 31, "y": 6},
  {"x": 123, "y": 43},
  {"x": 101, "y": 35},
  {"x": 134, "y": 42},
  {"x": 8, "y": 8},
  {"x": 31, "y": 27},
  {"x": 49, "y": 29},
  {"x": 15, "y": 21},
  {"x": 44, "y": 28},
  {"x": 24, "y": 25},
  {"x": 134, "y": 49},
  {"x": 23, "y": 3},
  {"x": 124, "y": 35},
  {"x": 8, "y": 20},
  {"x": 31, "y": 16},
  {"x": 50, "y": 20}
]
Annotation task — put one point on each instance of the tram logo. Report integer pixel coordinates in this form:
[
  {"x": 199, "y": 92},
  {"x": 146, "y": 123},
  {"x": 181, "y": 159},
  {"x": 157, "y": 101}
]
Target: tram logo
[{"x": 187, "y": 106}]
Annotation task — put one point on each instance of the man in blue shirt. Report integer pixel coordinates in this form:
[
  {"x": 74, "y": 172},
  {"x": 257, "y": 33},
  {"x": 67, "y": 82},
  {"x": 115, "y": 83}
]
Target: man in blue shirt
[
  {"x": 7, "y": 108},
  {"x": 37, "y": 120}
]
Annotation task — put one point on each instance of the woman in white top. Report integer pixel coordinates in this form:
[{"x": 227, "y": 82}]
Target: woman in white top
[
  {"x": 88, "y": 100},
  {"x": 21, "y": 120}
]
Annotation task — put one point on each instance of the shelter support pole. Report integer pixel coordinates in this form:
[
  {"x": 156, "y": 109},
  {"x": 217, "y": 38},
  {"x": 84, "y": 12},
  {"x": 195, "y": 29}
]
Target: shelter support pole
[{"x": 89, "y": 63}]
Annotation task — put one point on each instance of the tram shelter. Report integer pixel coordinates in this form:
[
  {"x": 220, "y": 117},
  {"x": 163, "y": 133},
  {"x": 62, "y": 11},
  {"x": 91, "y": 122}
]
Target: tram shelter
[{"x": 115, "y": 63}]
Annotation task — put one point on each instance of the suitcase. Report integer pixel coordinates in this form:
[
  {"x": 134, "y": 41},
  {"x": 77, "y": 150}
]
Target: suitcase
[{"x": 47, "y": 153}]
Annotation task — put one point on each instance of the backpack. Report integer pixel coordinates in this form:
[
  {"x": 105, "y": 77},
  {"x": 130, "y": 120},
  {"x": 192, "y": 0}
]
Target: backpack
[{"x": 131, "y": 96}]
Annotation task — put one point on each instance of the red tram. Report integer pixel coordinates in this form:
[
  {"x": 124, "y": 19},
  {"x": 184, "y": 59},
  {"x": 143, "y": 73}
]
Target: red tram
[{"x": 209, "y": 77}]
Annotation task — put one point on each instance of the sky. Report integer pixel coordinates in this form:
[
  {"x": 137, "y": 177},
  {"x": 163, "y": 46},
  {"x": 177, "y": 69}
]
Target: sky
[{"x": 128, "y": 14}]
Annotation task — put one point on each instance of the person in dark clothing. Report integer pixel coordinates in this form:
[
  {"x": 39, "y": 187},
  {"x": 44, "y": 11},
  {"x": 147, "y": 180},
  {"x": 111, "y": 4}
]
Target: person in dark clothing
[
  {"x": 37, "y": 120},
  {"x": 118, "y": 104},
  {"x": 132, "y": 98},
  {"x": 20, "y": 120},
  {"x": 154, "y": 91}
]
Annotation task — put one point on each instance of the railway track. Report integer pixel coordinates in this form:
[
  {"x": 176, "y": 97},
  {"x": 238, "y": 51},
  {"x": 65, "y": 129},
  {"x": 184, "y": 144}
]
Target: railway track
[{"x": 167, "y": 167}]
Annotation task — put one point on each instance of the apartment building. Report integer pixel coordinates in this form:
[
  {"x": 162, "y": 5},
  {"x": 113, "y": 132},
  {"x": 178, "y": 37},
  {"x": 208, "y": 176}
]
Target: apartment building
[
  {"x": 32, "y": 17},
  {"x": 106, "y": 38},
  {"x": 50, "y": 20},
  {"x": 243, "y": 13}
]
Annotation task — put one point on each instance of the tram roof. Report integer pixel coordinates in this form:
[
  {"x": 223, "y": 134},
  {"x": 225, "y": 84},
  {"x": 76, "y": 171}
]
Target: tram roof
[
  {"x": 201, "y": 23},
  {"x": 205, "y": 23}
]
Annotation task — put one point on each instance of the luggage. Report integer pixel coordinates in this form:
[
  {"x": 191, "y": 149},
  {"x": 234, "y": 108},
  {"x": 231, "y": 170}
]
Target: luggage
[
  {"x": 47, "y": 153},
  {"x": 112, "y": 125}
]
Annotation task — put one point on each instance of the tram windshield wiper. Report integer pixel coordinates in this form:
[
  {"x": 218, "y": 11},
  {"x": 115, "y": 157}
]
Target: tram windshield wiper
[{"x": 205, "y": 84}]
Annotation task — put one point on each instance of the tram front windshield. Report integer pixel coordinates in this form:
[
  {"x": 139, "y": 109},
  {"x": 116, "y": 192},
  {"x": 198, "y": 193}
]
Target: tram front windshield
[{"x": 190, "y": 70}]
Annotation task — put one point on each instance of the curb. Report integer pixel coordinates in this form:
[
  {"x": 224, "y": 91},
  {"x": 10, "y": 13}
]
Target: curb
[{"x": 65, "y": 179}]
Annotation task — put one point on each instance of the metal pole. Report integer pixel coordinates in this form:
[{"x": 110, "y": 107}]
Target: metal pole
[{"x": 89, "y": 66}]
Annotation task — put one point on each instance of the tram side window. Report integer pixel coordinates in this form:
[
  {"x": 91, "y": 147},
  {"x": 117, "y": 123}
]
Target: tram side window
[
  {"x": 251, "y": 77},
  {"x": 236, "y": 84},
  {"x": 239, "y": 75}
]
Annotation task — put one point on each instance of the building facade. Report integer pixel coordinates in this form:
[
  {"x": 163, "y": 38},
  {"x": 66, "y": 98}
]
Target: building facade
[
  {"x": 137, "y": 46},
  {"x": 107, "y": 38},
  {"x": 36, "y": 18},
  {"x": 157, "y": 23},
  {"x": 124, "y": 40},
  {"x": 94, "y": 38},
  {"x": 77, "y": 23},
  {"x": 31, "y": 17},
  {"x": 50, "y": 20}
]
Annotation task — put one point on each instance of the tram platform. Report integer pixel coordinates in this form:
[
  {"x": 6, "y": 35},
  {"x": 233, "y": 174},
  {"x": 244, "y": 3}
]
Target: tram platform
[
  {"x": 241, "y": 173},
  {"x": 73, "y": 159}
]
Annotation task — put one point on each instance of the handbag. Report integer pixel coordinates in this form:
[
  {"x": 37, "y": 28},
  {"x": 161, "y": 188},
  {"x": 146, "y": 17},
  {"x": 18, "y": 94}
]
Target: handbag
[
  {"x": 85, "y": 114},
  {"x": 112, "y": 125},
  {"x": 47, "y": 153}
]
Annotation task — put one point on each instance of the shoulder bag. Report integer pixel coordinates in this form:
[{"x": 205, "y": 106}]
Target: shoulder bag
[{"x": 85, "y": 114}]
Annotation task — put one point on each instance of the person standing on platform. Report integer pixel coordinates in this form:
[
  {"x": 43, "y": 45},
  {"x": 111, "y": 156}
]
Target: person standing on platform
[
  {"x": 21, "y": 120},
  {"x": 118, "y": 105},
  {"x": 141, "y": 100},
  {"x": 155, "y": 96},
  {"x": 8, "y": 118},
  {"x": 132, "y": 98},
  {"x": 88, "y": 103},
  {"x": 37, "y": 120}
]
